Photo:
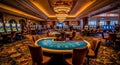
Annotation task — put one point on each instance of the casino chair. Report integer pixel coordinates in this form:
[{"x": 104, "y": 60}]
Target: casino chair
[
  {"x": 1, "y": 38},
  {"x": 37, "y": 56},
  {"x": 35, "y": 37},
  {"x": 19, "y": 36},
  {"x": 93, "y": 51},
  {"x": 103, "y": 37},
  {"x": 48, "y": 32},
  {"x": 78, "y": 56},
  {"x": 11, "y": 37},
  {"x": 112, "y": 39},
  {"x": 73, "y": 35}
]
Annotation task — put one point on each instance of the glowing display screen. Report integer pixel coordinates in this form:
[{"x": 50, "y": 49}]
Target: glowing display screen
[
  {"x": 2, "y": 27},
  {"x": 14, "y": 27},
  {"x": 19, "y": 27},
  {"x": 8, "y": 27}
]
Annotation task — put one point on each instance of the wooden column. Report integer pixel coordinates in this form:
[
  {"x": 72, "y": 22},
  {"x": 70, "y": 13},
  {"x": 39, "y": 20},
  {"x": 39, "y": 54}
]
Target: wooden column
[
  {"x": 67, "y": 23},
  {"x": 119, "y": 16},
  {"x": 78, "y": 22},
  {"x": 85, "y": 21},
  {"x": 108, "y": 22}
]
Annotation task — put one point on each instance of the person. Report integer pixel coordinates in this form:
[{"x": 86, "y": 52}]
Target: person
[
  {"x": 118, "y": 54},
  {"x": 1, "y": 38},
  {"x": 117, "y": 27},
  {"x": 73, "y": 34},
  {"x": 63, "y": 35},
  {"x": 67, "y": 37},
  {"x": 71, "y": 27}
]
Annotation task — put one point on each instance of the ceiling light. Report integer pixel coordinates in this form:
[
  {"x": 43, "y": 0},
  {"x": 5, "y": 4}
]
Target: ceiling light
[{"x": 62, "y": 8}]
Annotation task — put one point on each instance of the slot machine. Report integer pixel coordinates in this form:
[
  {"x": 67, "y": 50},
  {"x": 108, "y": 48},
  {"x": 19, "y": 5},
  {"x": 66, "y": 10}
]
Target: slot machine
[
  {"x": 65, "y": 26},
  {"x": 39, "y": 27},
  {"x": 8, "y": 27},
  {"x": 86, "y": 27},
  {"x": 101, "y": 27},
  {"x": 32, "y": 27},
  {"x": 94, "y": 28},
  {"x": 14, "y": 28},
  {"x": 1, "y": 28},
  {"x": 19, "y": 27},
  {"x": 81, "y": 27},
  {"x": 44, "y": 27},
  {"x": 105, "y": 27},
  {"x": 90, "y": 27},
  {"x": 59, "y": 25},
  {"x": 36, "y": 27},
  {"x": 48, "y": 26},
  {"x": 112, "y": 27},
  {"x": 74, "y": 27},
  {"x": 77, "y": 27}
]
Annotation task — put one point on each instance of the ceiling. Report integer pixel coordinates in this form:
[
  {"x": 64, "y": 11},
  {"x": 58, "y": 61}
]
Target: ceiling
[{"x": 42, "y": 10}]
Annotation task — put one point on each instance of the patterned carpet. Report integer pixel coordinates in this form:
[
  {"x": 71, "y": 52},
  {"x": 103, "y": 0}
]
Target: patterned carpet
[{"x": 17, "y": 53}]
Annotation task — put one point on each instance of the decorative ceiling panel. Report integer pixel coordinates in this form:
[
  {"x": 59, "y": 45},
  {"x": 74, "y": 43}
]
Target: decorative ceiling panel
[{"x": 42, "y": 8}]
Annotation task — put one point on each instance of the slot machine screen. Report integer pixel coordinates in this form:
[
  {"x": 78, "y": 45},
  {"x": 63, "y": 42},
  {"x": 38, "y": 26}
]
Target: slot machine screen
[
  {"x": 105, "y": 27},
  {"x": 59, "y": 25},
  {"x": 2, "y": 28},
  {"x": 66, "y": 26},
  {"x": 14, "y": 27},
  {"x": 19, "y": 27},
  {"x": 39, "y": 27},
  {"x": 32, "y": 27},
  {"x": 86, "y": 27},
  {"x": 8, "y": 27},
  {"x": 112, "y": 27}
]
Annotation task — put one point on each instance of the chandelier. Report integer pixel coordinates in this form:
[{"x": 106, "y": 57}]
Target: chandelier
[
  {"x": 62, "y": 8},
  {"x": 61, "y": 17}
]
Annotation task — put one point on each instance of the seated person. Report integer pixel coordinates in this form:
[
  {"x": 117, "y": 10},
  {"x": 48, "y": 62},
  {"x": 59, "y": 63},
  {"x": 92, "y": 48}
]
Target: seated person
[
  {"x": 73, "y": 34},
  {"x": 67, "y": 37},
  {"x": 58, "y": 38},
  {"x": 63, "y": 35},
  {"x": 48, "y": 32},
  {"x": 39, "y": 32}
]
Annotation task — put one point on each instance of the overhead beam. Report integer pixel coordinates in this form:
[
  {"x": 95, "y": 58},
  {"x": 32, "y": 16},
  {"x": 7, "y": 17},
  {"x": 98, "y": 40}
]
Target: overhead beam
[
  {"x": 106, "y": 9},
  {"x": 16, "y": 11}
]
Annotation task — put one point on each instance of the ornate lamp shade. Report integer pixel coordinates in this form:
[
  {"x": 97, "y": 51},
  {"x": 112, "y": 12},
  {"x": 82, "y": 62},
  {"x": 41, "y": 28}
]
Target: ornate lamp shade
[
  {"x": 61, "y": 8},
  {"x": 61, "y": 17}
]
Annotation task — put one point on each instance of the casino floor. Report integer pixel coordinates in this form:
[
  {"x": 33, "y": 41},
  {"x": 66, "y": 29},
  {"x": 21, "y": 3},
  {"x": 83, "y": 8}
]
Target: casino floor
[
  {"x": 17, "y": 53},
  {"x": 25, "y": 22}
]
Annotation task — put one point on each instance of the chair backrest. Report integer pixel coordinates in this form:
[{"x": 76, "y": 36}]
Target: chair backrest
[
  {"x": 63, "y": 34},
  {"x": 73, "y": 34},
  {"x": 78, "y": 55},
  {"x": 36, "y": 54},
  {"x": 102, "y": 33},
  {"x": 112, "y": 37},
  {"x": 35, "y": 37},
  {"x": 96, "y": 46},
  {"x": 13, "y": 34}
]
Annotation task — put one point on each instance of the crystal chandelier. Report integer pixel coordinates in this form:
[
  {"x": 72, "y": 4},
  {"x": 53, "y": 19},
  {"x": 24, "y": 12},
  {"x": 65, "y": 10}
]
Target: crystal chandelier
[
  {"x": 61, "y": 17},
  {"x": 62, "y": 8}
]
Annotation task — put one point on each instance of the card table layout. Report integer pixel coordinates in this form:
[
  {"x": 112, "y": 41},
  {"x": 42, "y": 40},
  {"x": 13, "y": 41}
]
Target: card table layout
[{"x": 51, "y": 46}]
